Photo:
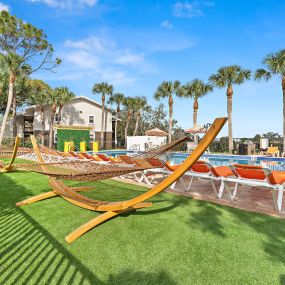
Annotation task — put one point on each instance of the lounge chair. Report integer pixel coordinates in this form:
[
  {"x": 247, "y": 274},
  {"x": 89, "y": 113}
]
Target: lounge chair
[
  {"x": 81, "y": 171},
  {"x": 149, "y": 175},
  {"x": 249, "y": 175},
  {"x": 205, "y": 170},
  {"x": 272, "y": 151},
  {"x": 104, "y": 157}
]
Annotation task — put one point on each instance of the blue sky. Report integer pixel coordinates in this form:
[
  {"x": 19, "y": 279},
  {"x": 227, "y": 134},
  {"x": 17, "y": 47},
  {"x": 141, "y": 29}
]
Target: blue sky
[{"x": 135, "y": 45}]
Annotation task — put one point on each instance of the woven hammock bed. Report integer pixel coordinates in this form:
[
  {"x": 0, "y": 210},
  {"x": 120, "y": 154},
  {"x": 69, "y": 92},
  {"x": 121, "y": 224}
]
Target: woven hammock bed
[{"x": 88, "y": 171}]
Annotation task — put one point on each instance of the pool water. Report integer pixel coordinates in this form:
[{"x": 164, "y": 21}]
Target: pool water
[
  {"x": 223, "y": 161},
  {"x": 273, "y": 163}
]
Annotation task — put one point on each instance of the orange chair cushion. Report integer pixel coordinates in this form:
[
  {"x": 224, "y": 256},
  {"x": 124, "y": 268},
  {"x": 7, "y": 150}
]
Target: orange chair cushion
[
  {"x": 64, "y": 154},
  {"x": 103, "y": 157},
  {"x": 115, "y": 159},
  {"x": 126, "y": 159},
  {"x": 250, "y": 171},
  {"x": 156, "y": 162},
  {"x": 200, "y": 166},
  {"x": 175, "y": 166},
  {"x": 272, "y": 149},
  {"x": 222, "y": 171},
  {"x": 81, "y": 156},
  {"x": 86, "y": 155},
  {"x": 171, "y": 167},
  {"x": 277, "y": 177},
  {"x": 96, "y": 158},
  {"x": 72, "y": 153}
]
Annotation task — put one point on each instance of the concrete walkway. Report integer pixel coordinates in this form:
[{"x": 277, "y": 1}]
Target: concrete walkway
[{"x": 253, "y": 199}]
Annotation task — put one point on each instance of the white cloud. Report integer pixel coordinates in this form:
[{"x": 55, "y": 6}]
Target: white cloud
[
  {"x": 66, "y": 4},
  {"x": 99, "y": 58},
  {"x": 121, "y": 57},
  {"x": 4, "y": 7},
  {"x": 166, "y": 24},
  {"x": 82, "y": 59},
  {"x": 94, "y": 44},
  {"x": 129, "y": 58},
  {"x": 190, "y": 9}
]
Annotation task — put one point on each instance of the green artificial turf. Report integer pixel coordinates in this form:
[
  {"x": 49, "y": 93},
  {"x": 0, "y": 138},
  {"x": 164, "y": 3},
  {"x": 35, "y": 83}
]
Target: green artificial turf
[{"x": 177, "y": 241}]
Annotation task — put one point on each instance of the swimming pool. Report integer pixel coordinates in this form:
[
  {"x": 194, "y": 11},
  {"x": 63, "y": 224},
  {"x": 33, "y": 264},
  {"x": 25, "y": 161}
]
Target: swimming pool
[{"x": 274, "y": 163}]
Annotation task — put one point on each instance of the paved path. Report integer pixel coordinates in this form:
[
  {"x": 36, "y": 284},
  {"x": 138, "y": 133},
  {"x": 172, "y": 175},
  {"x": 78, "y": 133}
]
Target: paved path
[{"x": 253, "y": 199}]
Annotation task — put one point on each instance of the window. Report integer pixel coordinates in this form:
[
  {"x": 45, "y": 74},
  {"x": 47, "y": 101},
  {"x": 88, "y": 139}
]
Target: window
[
  {"x": 91, "y": 137},
  {"x": 55, "y": 137},
  {"x": 56, "y": 118},
  {"x": 91, "y": 120}
]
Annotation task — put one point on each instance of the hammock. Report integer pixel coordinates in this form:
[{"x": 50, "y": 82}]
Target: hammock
[
  {"x": 53, "y": 163},
  {"x": 111, "y": 209}
]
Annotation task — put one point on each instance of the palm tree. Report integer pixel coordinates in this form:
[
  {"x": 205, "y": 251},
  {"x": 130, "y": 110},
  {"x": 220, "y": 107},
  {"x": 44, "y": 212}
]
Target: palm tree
[
  {"x": 166, "y": 90},
  {"x": 3, "y": 76},
  {"x": 39, "y": 96},
  {"x": 128, "y": 103},
  {"x": 65, "y": 95},
  {"x": 102, "y": 89},
  {"x": 139, "y": 104},
  {"x": 118, "y": 99},
  {"x": 15, "y": 65},
  {"x": 196, "y": 89},
  {"x": 20, "y": 95},
  {"x": 226, "y": 77},
  {"x": 58, "y": 97},
  {"x": 53, "y": 101},
  {"x": 275, "y": 63}
]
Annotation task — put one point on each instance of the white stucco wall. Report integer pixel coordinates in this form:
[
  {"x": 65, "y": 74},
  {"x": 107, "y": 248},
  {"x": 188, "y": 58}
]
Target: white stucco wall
[
  {"x": 151, "y": 141},
  {"x": 77, "y": 112},
  {"x": 8, "y": 133}
]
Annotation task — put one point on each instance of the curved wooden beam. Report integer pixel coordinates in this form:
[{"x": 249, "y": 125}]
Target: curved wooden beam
[
  {"x": 175, "y": 175},
  {"x": 101, "y": 219},
  {"x": 36, "y": 198},
  {"x": 115, "y": 208},
  {"x": 9, "y": 167}
]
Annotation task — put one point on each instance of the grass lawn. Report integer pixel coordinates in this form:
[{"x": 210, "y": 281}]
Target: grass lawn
[{"x": 177, "y": 241}]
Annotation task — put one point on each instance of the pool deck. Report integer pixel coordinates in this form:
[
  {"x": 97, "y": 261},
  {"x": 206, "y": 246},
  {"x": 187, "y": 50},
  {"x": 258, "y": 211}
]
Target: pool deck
[{"x": 251, "y": 199}]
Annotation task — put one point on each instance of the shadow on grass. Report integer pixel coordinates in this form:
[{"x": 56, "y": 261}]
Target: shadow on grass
[
  {"x": 273, "y": 230},
  {"x": 147, "y": 278},
  {"x": 29, "y": 254},
  {"x": 208, "y": 219}
]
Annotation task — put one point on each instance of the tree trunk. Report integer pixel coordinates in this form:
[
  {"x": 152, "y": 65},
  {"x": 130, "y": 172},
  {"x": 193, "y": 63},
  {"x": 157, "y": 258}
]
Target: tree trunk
[
  {"x": 170, "y": 104},
  {"x": 116, "y": 126},
  {"x": 229, "y": 110},
  {"x": 195, "y": 114},
  {"x": 14, "y": 114},
  {"x": 137, "y": 123},
  {"x": 102, "y": 123},
  {"x": 60, "y": 113},
  {"x": 127, "y": 127},
  {"x": 51, "y": 126},
  {"x": 283, "y": 91},
  {"x": 12, "y": 79},
  {"x": 43, "y": 125}
]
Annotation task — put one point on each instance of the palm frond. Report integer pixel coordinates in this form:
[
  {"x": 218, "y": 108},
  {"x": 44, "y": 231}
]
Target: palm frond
[
  {"x": 102, "y": 88},
  {"x": 229, "y": 75},
  {"x": 262, "y": 74},
  {"x": 275, "y": 62}
]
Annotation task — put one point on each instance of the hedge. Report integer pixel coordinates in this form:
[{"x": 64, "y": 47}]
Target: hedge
[{"x": 77, "y": 136}]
